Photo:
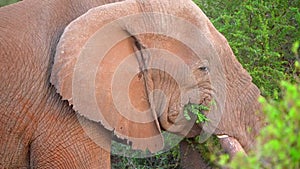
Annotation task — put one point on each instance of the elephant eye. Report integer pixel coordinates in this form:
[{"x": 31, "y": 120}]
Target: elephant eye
[{"x": 203, "y": 69}]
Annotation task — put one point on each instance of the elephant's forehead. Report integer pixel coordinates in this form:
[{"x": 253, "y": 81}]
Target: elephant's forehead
[
  {"x": 184, "y": 9},
  {"x": 194, "y": 54}
]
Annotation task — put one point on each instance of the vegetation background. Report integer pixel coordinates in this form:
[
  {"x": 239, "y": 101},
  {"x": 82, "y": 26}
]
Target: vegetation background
[{"x": 265, "y": 37}]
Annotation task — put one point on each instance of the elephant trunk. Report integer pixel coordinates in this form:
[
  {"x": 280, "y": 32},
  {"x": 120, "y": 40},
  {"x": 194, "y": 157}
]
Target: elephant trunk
[
  {"x": 245, "y": 122},
  {"x": 241, "y": 121},
  {"x": 231, "y": 145}
]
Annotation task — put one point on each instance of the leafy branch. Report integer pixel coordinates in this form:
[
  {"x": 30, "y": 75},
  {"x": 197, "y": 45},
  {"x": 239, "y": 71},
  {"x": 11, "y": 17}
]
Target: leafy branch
[{"x": 195, "y": 109}]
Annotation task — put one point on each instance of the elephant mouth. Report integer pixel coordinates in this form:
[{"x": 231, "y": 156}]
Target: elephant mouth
[
  {"x": 191, "y": 111},
  {"x": 189, "y": 127},
  {"x": 187, "y": 119}
]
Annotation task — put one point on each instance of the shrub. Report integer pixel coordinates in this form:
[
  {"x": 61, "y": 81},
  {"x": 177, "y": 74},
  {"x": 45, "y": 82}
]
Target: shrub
[
  {"x": 170, "y": 159},
  {"x": 7, "y": 2},
  {"x": 279, "y": 143},
  {"x": 260, "y": 34}
]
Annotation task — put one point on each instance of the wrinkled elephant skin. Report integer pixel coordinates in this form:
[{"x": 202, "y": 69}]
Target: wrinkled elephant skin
[
  {"x": 38, "y": 129},
  {"x": 74, "y": 73}
]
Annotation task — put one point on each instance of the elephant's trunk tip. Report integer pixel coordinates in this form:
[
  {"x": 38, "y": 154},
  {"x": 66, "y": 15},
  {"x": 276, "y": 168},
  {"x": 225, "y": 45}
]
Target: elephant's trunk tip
[{"x": 231, "y": 145}]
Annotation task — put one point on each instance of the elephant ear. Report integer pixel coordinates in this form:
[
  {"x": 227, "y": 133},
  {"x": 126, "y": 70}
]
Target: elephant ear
[{"x": 96, "y": 70}]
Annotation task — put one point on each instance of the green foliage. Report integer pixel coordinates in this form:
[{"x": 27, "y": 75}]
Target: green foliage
[
  {"x": 136, "y": 158},
  {"x": 195, "y": 109},
  {"x": 170, "y": 159},
  {"x": 260, "y": 34},
  {"x": 7, "y": 2},
  {"x": 279, "y": 143}
]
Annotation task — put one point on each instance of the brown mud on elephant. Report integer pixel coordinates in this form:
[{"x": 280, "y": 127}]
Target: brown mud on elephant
[{"x": 128, "y": 68}]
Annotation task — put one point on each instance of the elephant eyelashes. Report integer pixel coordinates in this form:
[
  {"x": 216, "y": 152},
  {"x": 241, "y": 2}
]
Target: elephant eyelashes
[{"x": 203, "y": 69}]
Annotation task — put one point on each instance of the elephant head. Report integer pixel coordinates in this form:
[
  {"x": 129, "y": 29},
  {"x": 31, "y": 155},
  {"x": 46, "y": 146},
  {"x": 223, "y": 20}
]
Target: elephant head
[{"x": 134, "y": 65}]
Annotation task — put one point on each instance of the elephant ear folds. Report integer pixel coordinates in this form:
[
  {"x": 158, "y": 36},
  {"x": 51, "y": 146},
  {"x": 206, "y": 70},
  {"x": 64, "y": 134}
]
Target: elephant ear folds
[{"x": 96, "y": 70}]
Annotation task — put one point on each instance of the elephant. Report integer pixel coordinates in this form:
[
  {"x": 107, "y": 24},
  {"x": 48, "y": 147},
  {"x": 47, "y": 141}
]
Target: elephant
[{"x": 75, "y": 73}]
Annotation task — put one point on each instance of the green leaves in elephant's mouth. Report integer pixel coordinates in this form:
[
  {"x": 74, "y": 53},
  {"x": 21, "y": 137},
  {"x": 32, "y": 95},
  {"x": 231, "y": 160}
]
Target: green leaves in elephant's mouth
[{"x": 192, "y": 109}]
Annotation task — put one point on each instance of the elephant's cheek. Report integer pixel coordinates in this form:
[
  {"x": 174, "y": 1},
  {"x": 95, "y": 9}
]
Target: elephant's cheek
[
  {"x": 179, "y": 125},
  {"x": 164, "y": 121},
  {"x": 170, "y": 125}
]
